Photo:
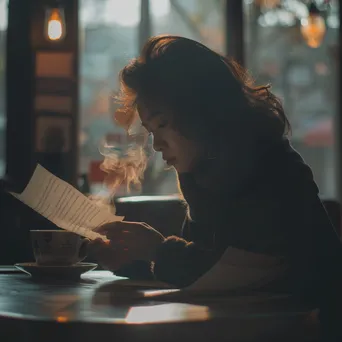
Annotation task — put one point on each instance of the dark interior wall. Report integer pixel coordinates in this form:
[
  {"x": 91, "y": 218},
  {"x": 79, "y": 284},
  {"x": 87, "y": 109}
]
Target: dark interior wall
[{"x": 25, "y": 40}]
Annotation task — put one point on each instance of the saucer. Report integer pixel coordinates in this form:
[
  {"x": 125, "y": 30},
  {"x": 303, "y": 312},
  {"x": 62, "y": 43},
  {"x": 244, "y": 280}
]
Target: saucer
[{"x": 72, "y": 271}]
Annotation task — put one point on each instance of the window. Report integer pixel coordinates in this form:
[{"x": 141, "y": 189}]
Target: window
[
  {"x": 3, "y": 30},
  {"x": 304, "y": 78},
  {"x": 109, "y": 37},
  {"x": 201, "y": 20}
]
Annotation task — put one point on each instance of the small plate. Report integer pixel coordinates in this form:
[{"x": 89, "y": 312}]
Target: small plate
[{"x": 60, "y": 272}]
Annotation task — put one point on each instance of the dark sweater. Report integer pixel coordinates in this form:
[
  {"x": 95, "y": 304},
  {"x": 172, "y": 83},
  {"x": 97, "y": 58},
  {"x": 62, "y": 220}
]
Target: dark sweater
[{"x": 273, "y": 210}]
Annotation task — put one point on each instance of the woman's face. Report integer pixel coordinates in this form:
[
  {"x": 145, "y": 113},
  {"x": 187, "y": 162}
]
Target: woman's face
[{"x": 177, "y": 151}]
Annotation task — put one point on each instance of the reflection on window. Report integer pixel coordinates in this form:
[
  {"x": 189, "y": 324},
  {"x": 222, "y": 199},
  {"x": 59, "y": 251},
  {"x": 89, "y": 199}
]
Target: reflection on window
[
  {"x": 109, "y": 37},
  {"x": 3, "y": 30},
  {"x": 303, "y": 77}
]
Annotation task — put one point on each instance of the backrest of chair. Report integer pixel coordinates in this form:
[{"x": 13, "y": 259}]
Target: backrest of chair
[{"x": 164, "y": 213}]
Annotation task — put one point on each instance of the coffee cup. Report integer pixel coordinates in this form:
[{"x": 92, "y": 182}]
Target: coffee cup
[{"x": 58, "y": 247}]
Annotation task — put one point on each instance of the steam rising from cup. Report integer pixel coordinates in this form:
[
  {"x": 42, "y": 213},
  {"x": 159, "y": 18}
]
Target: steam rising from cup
[{"x": 126, "y": 162}]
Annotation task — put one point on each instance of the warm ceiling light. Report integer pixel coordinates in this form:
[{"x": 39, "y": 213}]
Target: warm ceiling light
[
  {"x": 313, "y": 27},
  {"x": 55, "y": 24}
]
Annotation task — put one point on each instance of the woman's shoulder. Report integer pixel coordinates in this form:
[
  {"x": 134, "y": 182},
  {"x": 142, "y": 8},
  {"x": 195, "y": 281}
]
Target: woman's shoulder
[{"x": 284, "y": 168}]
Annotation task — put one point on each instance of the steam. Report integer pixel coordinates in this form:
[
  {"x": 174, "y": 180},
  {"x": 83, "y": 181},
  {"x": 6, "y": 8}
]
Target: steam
[{"x": 124, "y": 163}]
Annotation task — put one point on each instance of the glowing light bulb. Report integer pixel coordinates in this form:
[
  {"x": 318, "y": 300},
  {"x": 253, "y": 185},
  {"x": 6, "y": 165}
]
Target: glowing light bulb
[
  {"x": 313, "y": 27},
  {"x": 55, "y": 25}
]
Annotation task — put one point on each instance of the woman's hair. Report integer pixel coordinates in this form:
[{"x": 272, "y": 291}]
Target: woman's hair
[{"x": 210, "y": 96}]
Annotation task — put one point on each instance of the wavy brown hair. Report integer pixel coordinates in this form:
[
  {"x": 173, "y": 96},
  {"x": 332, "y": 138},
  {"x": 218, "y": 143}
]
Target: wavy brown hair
[{"x": 211, "y": 96}]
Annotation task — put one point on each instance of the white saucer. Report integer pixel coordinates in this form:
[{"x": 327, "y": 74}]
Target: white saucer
[{"x": 60, "y": 272}]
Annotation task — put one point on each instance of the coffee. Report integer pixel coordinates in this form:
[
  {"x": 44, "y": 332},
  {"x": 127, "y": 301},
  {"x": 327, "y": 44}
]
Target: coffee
[{"x": 58, "y": 247}]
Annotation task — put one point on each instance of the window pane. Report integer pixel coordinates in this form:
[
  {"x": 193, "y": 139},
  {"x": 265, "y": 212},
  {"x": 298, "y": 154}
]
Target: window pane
[
  {"x": 201, "y": 20},
  {"x": 108, "y": 39},
  {"x": 304, "y": 78},
  {"x": 3, "y": 30}
]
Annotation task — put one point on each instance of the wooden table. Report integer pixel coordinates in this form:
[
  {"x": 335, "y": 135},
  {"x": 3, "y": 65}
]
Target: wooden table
[{"x": 98, "y": 307}]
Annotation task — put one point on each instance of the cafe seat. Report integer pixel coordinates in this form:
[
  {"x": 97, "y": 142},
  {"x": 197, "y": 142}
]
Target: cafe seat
[{"x": 164, "y": 213}]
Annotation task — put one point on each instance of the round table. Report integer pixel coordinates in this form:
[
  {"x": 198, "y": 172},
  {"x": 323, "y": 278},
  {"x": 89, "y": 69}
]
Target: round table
[{"x": 103, "y": 306}]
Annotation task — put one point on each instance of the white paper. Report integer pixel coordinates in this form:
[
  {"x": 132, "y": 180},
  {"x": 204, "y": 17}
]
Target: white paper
[
  {"x": 64, "y": 205},
  {"x": 239, "y": 269}
]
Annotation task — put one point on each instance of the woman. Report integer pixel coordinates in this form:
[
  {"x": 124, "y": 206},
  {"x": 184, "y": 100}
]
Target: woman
[{"x": 247, "y": 189}]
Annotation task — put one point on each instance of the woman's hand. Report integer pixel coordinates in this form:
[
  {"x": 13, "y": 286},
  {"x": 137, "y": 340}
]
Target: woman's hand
[{"x": 129, "y": 241}]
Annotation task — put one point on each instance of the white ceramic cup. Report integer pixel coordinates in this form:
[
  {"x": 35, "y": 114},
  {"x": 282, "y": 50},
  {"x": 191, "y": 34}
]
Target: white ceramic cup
[{"x": 58, "y": 247}]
